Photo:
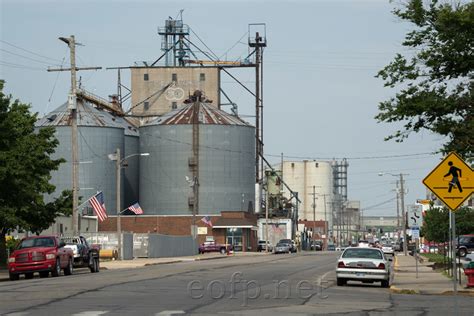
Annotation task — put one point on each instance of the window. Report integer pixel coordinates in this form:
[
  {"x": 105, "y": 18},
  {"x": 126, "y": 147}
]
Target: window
[
  {"x": 202, "y": 77},
  {"x": 174, "y": 105},
  {"x": 146, "y": 105},
  {"x": 174, "y": 77},
  {"x": 145, "y": 77}
]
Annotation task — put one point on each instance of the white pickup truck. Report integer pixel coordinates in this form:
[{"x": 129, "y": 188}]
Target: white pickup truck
[{"x": 84, "y": 255}]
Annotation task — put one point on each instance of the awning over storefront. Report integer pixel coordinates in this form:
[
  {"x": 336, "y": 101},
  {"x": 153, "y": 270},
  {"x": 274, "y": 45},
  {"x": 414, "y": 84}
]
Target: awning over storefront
[{"x": 234, "y": 223}]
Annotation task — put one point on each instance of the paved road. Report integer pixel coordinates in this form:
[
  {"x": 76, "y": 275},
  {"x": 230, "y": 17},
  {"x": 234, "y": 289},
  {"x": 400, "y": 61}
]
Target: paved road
[{"x": 260, "y": 285}]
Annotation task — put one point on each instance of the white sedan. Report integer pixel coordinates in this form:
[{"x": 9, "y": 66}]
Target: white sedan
[
  {"x": 366, "y": 265},
  {"x": 388, "y": 249}
]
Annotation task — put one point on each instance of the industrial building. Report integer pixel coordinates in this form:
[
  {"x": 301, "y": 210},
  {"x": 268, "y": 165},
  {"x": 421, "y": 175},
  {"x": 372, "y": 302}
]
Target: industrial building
[{"x": 201, "y": 161}]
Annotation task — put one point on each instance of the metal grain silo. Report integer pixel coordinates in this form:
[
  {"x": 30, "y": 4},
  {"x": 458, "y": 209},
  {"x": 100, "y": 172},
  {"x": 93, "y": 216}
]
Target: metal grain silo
[
  {"x": 100, "y": 133},
  {"x": 131, "y": 171},
  {"x": 197, "y": 141}
]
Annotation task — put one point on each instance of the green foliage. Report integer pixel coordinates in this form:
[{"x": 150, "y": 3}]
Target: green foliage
[
  {"x": 434, "y": 257},
  {"x": 25, "y": 167},
  {"x": 435, "y": 84},
  {"x": 436, "y": 223},
  {"x": 11, "y": 244}
]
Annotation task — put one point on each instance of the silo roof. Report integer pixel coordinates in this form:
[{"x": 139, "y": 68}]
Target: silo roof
[
  {"x": 87, "y": 115},
  {"x": 208, "y": 114}
]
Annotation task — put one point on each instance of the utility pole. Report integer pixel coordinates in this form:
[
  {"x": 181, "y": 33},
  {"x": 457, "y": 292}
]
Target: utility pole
[
  {"x": 259, "y": 42},
  {"x": 402, "y": 201},
  {"x": 72, "y": 106},
  {"x": 118, "y": 167},
  {"x": 314, "y": 214}
]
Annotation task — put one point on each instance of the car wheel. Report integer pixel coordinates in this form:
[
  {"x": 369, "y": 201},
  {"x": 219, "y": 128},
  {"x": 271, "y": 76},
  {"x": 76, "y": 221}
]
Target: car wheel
[
  {"x": 341, "y": 282},
  {"x": 385, "y": 283},
  {"x": 56, "y": 269},
  {"x": 69, "y": 268},
  {"x": 462, "y": 252},
  {"x": 44, "y": 274},
  {"x": 14, "y": 276},
  {"x": 29, "y": 275},
  {"x": 95, "y": 265},
  {"x": 222, "y": 251}
]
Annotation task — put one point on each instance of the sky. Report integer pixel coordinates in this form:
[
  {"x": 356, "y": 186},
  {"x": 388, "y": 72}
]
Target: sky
[{"x": 320, "y": 90}]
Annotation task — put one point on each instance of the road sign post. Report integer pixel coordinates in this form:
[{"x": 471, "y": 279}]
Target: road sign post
[{"x": 452, "y": 181}]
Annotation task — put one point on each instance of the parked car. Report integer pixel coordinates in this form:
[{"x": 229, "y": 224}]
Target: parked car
[
  {"x": 262, "y": 246},
  {"x": 367, "y": 265},
  {"x": 465, "y": 245},
  {"x": 85, "y": 256},
  {"x": 317, "y": 245},
  {"x": 331, "y": 247},
  {"x": 212, "y": 246},
  {"x": 282, "y": 247},
  {"x": 290, "y": 242},
  {"x": 42, "y": 254}
]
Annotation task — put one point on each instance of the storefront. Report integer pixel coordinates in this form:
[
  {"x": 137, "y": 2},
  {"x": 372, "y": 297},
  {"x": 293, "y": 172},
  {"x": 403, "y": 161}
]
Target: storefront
[{"x": 241, "y": 233}]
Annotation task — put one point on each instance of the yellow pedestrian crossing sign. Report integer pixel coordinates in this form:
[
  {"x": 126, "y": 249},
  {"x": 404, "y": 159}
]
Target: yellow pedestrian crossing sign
[{"x": 452, "y": 181}]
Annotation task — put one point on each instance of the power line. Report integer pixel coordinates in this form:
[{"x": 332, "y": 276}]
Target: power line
[
  {"x": 32, "y": 59},
  {"x": 28, "y": 51},
  {"x": 354, "y": 158},
  {"x": 379, "y": 204},
  {"x": 13, "y": 65}
]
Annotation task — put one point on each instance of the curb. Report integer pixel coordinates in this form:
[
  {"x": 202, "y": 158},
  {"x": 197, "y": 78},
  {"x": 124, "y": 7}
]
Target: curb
[{"x": 396, "y": 290}]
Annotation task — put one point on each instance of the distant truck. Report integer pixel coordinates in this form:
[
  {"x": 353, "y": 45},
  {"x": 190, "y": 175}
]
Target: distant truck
[
  {"x": 212, "y": 246},
  {"x": 42, "y": 254},
  {"x": 85, "y": 256}
]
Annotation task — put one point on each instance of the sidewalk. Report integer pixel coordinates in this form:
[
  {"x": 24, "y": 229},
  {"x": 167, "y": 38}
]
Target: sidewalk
[
  {"x": 142, "y": 262},
  {"x": 429, "y": 281}
]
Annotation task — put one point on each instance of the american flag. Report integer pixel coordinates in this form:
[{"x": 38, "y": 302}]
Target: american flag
[
  {"x": 207, "y": 220},
  {"x": 135, "y": 208},
  {"x": 97, "y": 203}
]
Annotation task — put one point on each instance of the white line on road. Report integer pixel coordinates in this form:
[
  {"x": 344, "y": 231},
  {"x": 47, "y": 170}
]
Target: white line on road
[
  {"x": 91, "y": 313},
  {"x": 169, "y": 313}
]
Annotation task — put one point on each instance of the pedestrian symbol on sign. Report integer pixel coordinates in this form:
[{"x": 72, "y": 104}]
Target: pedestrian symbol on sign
[{"x": 454, "y": 171}]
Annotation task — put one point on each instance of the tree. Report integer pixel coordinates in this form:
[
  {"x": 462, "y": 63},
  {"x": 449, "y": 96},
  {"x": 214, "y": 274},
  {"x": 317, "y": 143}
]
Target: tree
[
  {"x": 436, "y": 82},
  {"x": 436, "y": 223},
  {"x": 25, "y": 167}
]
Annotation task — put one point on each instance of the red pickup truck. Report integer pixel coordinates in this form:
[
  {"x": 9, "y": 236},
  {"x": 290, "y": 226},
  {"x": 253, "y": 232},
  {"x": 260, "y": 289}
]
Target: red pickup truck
[
  {"x": 41, "y": 254},
  {"x": 212, "y": 246}
]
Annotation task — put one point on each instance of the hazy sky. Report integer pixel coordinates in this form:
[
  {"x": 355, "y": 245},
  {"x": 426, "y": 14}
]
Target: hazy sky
[{"x": 320, "y": 90}]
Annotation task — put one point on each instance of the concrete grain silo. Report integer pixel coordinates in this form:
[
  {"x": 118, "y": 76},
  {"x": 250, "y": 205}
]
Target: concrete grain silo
[{"x": 197, "y": 142}]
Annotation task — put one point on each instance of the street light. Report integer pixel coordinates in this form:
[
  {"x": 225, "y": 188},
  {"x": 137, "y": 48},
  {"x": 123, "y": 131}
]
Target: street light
[
  {"x": 402, "y": 202},
  {"x": 118, "y": 166}
]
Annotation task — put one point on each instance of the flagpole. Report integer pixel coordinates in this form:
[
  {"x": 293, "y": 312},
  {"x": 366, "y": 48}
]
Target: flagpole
[{"x": 87, "y": 201}]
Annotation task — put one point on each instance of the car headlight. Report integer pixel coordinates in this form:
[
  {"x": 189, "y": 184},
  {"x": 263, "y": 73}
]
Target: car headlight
[
  {"x": 50, "y": 256},
  {"x": 11, "y": 260}
]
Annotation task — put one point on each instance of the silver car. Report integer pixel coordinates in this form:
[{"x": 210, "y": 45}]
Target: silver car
[
  {"x": 282, "y": 248},
  {"x": 367, "y": 265}
]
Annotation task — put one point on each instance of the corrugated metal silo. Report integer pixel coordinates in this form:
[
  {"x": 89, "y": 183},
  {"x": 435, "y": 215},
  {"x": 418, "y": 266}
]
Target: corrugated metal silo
[
  {"x": 221, "y": 154},
  {"x": 99, "y": 134},
  {"x": 131, "y": 171}
]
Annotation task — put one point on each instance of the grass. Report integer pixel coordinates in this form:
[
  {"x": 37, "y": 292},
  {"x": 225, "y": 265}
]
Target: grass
[{"x": 434, "y": 257}]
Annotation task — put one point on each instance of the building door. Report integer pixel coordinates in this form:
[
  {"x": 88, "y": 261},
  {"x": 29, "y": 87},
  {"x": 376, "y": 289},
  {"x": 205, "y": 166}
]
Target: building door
[{"x": 234, "y": 238}]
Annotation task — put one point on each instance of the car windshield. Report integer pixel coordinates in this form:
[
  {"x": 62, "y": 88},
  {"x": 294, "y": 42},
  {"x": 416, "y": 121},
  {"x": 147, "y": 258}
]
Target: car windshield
[
  {"x": 464, "y": 240},
  {"x": 37, "y": 242},
  {"x": 364, "y": 253}
]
